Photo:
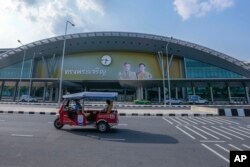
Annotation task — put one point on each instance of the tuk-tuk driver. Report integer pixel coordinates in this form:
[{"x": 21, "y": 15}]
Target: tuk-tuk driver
[{"x": 109, "y": 106}]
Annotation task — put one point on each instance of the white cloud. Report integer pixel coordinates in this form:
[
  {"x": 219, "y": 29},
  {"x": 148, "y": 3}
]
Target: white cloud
[
  {"x": 30, "y": 20},
  {"x": 189, "y": 8}
]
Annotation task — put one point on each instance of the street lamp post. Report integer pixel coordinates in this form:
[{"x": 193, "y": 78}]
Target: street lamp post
[
  {"x": 31, "y": 69},
  {"x": 168, "y": 66},
  {"x": 20, "y": 80},
  {"x": 64, "y": 44}
]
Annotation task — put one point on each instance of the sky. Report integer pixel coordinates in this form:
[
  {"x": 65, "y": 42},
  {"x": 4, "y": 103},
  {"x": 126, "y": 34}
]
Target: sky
[{"x": 222, "y": 25}]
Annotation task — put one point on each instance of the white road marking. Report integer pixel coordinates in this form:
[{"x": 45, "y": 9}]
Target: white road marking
[
  {"x": 237, "y": 148},
  {"x": 175, "y": 120},
  {"x": 246, "y": 146},
  {"x": 216, "y": 153},
  {"x": 226, "y": 120},
  {"x": 235, "y": 132},
  {"x": 205, "y": 121},
  {"x": 122, "y": 124},
  {"x": 21, "y": 135},
  {"x": 50, "y": 122},
  {"x": 206, "y": 133},
  {"x": 222, "y": 148},
  {"x": 198, "y": 121},
  {"x": 212, "y": 141},
  {"x": 112, "y": 139},
  {"x": 182, "y": 121},
  {"x": 2, "y": 120},
  {"x": 219, "y": 121},
  {"x": 185, "y": 132},
  {"x": 243, "y": 128},
  {"x": 167, "y": 120},
  {"x": 217, "y": 133},
  {"x": 227, "y": 133},
  {"x": 214, "y": 121},
  {"x": 190, "y": 120},
  {"x": 196, "y": 133},
  {"x": 239, "y": 129}
]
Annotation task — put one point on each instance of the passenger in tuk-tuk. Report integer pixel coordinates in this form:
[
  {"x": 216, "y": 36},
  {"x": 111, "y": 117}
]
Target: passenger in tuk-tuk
[{"x": 109, "y": 106}]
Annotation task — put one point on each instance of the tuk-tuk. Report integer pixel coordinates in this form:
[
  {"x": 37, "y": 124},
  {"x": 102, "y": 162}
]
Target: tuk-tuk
[{"x": 74, "y": 114}]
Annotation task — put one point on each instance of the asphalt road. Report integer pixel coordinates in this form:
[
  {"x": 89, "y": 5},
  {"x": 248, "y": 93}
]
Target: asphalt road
[{"x": 32, "y": 141}]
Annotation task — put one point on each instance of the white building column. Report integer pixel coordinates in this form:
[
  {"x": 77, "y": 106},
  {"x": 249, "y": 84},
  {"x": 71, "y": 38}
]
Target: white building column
[
  {"x": 159, "y": 94},
  {"x": 229, "y": 93},
  {"x": 176, "y": 92},
  {"x": 146, "y": 93},
  {"x": 51, "y": 94},
  {"x": 247, "y": 94},
  {"x": 193, "y": 89},
  {"x": 211, "y": 94}
]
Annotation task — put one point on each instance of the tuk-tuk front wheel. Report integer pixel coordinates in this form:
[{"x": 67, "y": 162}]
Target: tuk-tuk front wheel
[
  {"x": 102, "y": 127},
  {"x": 58, "y": 124}
]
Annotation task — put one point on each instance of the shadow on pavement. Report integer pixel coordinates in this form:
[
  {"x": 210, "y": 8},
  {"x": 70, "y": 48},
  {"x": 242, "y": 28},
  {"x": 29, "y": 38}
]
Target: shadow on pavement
[{"x": 124, "y": 135}]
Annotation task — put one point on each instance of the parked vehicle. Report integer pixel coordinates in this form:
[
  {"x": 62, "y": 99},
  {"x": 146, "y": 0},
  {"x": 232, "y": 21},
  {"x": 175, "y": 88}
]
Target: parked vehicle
[
  {"x": 27, "y": 98},
  {"x": 70, "y": 114},
  {"x": 174, "y": 101},
  {"x": 195, "y": 99}
]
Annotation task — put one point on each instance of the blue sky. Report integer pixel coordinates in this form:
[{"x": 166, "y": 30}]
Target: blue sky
[{"x": 223, "y": 25}]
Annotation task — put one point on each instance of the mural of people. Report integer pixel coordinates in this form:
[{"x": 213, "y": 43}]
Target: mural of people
[
  {"x": 142, "y": 74},
  {"x": 127, "y": 74}
]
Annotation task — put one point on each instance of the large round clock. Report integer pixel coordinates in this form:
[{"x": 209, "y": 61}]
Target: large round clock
[{"x": 106, "y": 60}]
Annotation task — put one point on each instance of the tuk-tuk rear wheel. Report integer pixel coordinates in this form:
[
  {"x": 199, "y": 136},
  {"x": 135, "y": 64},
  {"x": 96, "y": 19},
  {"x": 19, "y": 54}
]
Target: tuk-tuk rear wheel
[
  {"x": 102, "y": 127},
  {"x": 57, "y": 124}
]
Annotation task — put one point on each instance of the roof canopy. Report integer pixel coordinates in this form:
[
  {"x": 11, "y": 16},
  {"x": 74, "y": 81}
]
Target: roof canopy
[{"x": 123, "y": 41}]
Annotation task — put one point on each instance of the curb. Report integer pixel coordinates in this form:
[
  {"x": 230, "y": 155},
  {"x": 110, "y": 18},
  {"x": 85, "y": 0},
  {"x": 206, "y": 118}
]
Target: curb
[
  {"x": 235, "y": 112},
  {"x": 120, "y": 114},
  {"x": 28, "y": 112}
]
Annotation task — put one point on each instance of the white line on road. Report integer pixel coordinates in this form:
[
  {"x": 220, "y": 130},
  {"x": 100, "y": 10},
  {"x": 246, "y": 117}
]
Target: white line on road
[
  {"x": 206, "y": 133},
  {"x": 219, "y": 121},
  {"x": 214, "y": 121},
  {"x": 111, "y": 139},
  {"x": 2, "y": 120},
  {"x": 21, "y": 135},
  {"x": 122, "y": 124},
  {"x": 198, "y": 121},
  {"x": 216, "y": 153},
  {"x": 212, "y": 141},
  {"x": 175, "y": 120},
  {"x": 227, "y": 133},
  {"x": 226, "y": 120},
  {"x": 190, "y": 121},
  {"x": 235, "y": 132},
  {"x": 196, "y": 133},
  {"x": 243, "y": 128},
  {"x": 246, "y": 146},
  {"x": 239, "y": 130},
  {"x": 167, "y": 120},
  {"x": 237, "y": 148},
  {"x": 185, "y": 122},
  {"x": 217, "y": 133},
  {"x": 50, "y": 122},
  {"x": 205, "y": 120},
  {"x": 222, "y": 148},
  {"x": 185, "y": 132}
]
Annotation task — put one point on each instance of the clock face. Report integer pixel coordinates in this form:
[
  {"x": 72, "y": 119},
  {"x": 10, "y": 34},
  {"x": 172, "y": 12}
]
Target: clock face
[{"x": 106, "y": 60}]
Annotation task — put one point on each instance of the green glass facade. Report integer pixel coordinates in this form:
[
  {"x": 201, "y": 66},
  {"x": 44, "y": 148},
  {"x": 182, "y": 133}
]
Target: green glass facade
[
  {"x": 196, "y": 69},
  {"x": 14, "y": 71}
]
